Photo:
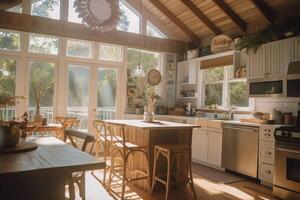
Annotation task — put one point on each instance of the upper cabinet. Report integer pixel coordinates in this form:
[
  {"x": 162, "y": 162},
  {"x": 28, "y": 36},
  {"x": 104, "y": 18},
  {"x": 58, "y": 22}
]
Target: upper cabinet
[
  {"x": 187, "y": 72},
  {"x": 272, "y": 58}
]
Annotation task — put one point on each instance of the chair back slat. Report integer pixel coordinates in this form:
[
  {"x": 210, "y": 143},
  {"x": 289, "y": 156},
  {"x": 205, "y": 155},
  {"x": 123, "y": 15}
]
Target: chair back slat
[
  {"x": 76, "y": 134},
  {"x": 99, "y": 125},
  {"x": 117, "y": 132}
]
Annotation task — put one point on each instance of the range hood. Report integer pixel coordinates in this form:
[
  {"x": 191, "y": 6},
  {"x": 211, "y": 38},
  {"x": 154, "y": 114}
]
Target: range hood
[{"x": 294, "y": 68}]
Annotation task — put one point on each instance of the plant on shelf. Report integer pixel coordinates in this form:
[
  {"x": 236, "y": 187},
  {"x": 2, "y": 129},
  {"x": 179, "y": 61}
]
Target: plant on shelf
[{"x": 273, "y": 32}]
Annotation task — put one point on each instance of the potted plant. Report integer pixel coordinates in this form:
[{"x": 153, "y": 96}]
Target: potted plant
[
  {"x": 40, "y": 88},
  {"x": 9, "y": 130}
]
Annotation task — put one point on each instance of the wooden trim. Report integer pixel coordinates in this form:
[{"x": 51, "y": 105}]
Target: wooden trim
[
  {"x": 193, "y": 8},
  {"x": 7, "y": 4},
  {"x": 233, "y": 16},
  {"x": 217, "y": 62},
  {"x": 174, "y": 19},
  {"x": 40, "y": 25},
  {"x": 263, "y": 8}
]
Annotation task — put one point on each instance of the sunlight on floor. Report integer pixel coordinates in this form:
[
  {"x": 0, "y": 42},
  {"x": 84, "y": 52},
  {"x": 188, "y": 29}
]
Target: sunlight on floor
[{"x": 219, "y": 188}]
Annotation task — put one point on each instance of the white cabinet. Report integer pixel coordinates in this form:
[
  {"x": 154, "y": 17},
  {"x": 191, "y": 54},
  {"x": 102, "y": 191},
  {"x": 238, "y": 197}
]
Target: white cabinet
[
  {"x": 266, "y": 154},
  {"x": 207, "y": 144},
  {"x": 187, "y": 71},
  {"x": 272, "y": 58},
  {"x": 214, "y": 148}
]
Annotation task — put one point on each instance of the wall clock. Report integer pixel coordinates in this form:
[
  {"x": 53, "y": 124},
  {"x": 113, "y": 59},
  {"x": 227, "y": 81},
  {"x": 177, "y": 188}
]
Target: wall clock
[
  {"x": 101, "y": 15},
  {"x": 153, "y": 77}
]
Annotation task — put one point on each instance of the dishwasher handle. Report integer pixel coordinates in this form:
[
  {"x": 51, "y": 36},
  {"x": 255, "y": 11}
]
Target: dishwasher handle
[{"x": 244, "y": 129}]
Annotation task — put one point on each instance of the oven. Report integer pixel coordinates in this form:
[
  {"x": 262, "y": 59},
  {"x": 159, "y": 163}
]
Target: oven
[{"x": 287, "y": 170}]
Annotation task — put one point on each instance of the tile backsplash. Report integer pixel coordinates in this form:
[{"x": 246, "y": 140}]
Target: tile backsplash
[{"x": 282, "y": 104}]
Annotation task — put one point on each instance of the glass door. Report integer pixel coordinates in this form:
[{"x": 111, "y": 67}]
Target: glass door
[
  {"x": 106, "y": 93},
  {"x": 8, "y": 69},
  {"x": 41, "y": 89},
  {"x": 78, "y": 93}
]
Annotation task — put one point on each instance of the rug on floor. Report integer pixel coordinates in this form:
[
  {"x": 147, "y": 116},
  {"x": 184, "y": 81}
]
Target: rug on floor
[{"x": 214, "y": 174}]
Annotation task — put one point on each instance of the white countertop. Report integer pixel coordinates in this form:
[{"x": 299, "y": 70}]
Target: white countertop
[{"x": 193, "y": 118}]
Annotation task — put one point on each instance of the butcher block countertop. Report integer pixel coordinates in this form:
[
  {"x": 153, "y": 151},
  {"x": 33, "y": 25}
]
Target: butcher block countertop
[{"x": 152, "y": 125}]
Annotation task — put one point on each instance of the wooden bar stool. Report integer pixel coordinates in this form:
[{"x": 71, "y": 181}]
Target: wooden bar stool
[
  {"x": 172, "y": 153},
  {"x": 124, "y": 149},
  {"x": 104, "y": 140}
]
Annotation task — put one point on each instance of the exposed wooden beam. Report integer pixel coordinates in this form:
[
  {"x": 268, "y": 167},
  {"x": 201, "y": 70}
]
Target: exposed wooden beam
[
  {"x": 201, "y": 16},
  {"x": 230, "y": 13},
  {"x": 7, "y": 4},
  {"x": 263, "y": 8},
  {"x": 174, "y": 19},
  {"x": 41, "y": 25}
]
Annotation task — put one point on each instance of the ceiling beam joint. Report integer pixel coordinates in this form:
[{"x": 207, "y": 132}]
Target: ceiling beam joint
[
  {"x": 196, "y": 11},
  {"x": 231, "y": 14},
  {"x": 264, "y": 9},
  {"x": 162, "y": 8}
]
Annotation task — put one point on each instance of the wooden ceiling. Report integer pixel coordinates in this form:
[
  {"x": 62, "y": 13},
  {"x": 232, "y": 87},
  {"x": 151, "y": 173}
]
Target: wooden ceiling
[{"x": 194, "y": 20}]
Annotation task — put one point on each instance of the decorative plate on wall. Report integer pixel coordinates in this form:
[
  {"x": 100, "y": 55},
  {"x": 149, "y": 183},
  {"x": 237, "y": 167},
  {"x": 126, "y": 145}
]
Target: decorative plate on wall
[
  {"x": 101, "y": 15},
  {"x": 153, "y": 77}
]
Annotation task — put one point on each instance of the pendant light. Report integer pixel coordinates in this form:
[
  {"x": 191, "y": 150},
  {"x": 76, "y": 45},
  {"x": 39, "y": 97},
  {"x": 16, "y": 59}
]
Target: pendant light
[{"x": 139, "y": 71}]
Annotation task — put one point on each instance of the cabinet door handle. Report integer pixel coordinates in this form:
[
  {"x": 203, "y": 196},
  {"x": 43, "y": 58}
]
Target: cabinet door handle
[
  {"x": 267, "y": 171},
  {"x": 269, "y": 152}
]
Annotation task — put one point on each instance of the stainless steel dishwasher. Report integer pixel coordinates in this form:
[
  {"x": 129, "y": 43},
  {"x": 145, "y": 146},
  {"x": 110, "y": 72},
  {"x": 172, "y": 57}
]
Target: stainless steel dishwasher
[{"x": 240, "y": 149}]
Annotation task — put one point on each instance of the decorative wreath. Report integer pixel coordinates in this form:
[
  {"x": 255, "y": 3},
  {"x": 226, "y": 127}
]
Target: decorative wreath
[{"x": 83, "y": 8}]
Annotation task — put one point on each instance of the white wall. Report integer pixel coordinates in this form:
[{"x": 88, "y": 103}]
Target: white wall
[{"x": 282, "y": 104}]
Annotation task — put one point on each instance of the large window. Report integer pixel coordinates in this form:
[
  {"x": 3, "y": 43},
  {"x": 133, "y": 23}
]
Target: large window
[
  {"x": 41, "y": 89},
  {"x": 73, "y": 16},
  {"x": 46, "y": 8},
  {"x": 129, "y": 19},
  {"x": 135, "y": 87},
  {"x": 9, "y": 40},
  {"x": 79, "y": 49},
  {"x": 221, "y": 88},
  {"x": 7, "y": 85},
  {"x": 42, "y": 44},
  {"x": 110, "y": 52},
  {"x": 78, "y": 93},
  {"x": 151, "y": 30}
]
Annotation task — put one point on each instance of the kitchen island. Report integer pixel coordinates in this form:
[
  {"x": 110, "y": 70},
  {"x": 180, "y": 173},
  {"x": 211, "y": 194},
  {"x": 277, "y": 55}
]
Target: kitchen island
[{"x": 151, "y": 134}]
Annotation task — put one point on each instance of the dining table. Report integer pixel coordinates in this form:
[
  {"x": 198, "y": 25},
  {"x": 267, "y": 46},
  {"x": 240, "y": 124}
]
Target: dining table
[
  {"x": 149, "y": 134},
  {"x": 41, "y": 173}
]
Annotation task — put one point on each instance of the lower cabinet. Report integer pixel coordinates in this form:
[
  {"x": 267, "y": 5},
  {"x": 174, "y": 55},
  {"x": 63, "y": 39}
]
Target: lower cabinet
[{"x": 207, "y": 147}]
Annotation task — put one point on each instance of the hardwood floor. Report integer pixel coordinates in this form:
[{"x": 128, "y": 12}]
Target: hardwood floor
[{"x": 206, "y": 189}]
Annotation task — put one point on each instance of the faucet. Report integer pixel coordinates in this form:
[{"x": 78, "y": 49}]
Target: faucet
[{"x": 231, "y": 111}]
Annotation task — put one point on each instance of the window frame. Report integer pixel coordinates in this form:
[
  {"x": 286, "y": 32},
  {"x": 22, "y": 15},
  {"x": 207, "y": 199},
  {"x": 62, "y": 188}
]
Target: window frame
[
  {"x": 79, "y": 57},
  {"x": 107, "y": 60},
  {"x": 226, "y": 88},
  {"x": 46, "y": 36},
  {"x": 12, "y": 50},
  {"x": 138, "y": 14},
  {"x": 59, "y": 13},
  {"x": 148, "y": 23}
]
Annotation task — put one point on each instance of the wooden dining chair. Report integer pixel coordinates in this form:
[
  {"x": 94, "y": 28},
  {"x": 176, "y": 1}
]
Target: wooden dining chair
[
  {"x": 67, "y": 123},
  {"x": 78, "y": 177},
  {"x": 121, "y": 147}
]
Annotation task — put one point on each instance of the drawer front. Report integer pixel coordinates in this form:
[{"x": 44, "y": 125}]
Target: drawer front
[
  {"x": 267, "y": 133},
  {"x": 267, "y": 154},
  {"x": 266, "y": 172}
]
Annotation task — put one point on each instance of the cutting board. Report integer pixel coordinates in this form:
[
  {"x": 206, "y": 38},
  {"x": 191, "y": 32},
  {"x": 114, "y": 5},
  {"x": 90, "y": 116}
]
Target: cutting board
[{"x": 253, "y": 120}]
